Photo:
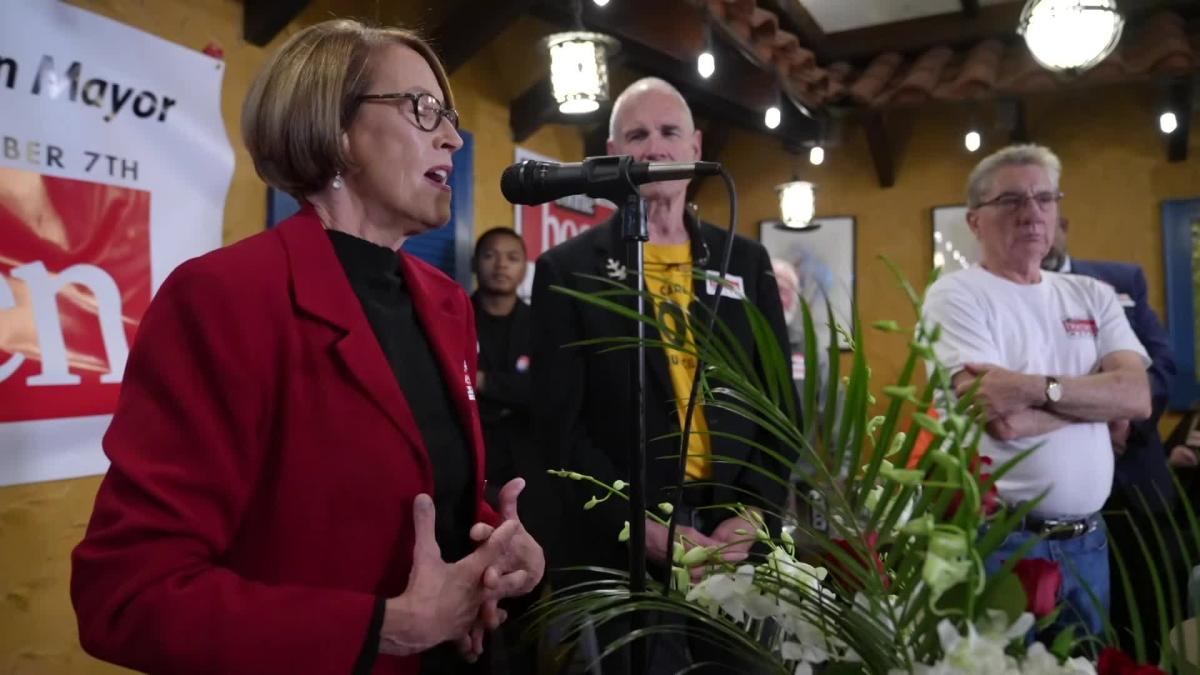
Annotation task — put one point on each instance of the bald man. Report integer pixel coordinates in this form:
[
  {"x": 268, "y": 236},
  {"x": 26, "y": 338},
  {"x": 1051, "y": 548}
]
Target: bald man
[{"x": 584, "y": 408}]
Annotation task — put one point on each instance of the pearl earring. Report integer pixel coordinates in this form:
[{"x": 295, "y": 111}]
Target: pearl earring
[{"x": 337, "y": 181}]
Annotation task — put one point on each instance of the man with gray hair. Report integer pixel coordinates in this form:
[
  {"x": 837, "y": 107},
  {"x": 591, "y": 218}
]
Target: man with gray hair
[
  {"x": 1055, "y": 361},
  {"x": 584, "y": 412}
]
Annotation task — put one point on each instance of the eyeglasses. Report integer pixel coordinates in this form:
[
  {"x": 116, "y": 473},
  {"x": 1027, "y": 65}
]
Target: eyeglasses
[
  {"x": 1012, "y": 202},
  {"x": 427, "y": 110}
]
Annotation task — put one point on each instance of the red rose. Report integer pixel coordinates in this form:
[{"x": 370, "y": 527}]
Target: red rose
[
  {"x": 850, "y": 577},
  {"x": 1041, "y": 580},
  {"x": 990, "y": 500},
  {"x": 1115, "y": 662}
]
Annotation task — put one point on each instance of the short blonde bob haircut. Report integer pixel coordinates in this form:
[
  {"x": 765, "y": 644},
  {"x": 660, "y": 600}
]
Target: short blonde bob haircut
[{"x": 306, "y": 95}]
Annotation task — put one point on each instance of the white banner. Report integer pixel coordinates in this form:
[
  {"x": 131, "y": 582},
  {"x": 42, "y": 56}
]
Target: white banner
[{"x": 114, "y": 166}]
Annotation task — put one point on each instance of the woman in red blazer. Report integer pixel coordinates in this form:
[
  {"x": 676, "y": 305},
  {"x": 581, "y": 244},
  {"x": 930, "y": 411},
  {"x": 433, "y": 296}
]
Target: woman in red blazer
[{"x": 297, "y": 435}]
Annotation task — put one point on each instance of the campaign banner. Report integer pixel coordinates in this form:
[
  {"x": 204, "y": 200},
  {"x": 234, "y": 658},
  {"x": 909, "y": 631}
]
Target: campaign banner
[
  {"x": 114, "y": 167},
  {"x": 547, "y": 225}
]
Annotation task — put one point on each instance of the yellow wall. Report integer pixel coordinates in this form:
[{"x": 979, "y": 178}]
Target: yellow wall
[
  {"x": 483, "y": 89},
  {"x": 40, "y": 523},
  {"x": 1115, "y": 176}
]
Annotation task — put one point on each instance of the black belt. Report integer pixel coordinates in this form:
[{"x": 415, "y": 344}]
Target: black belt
[
  {"x": 692, "y": 508},
  {"x": 1059, "y": 528}
]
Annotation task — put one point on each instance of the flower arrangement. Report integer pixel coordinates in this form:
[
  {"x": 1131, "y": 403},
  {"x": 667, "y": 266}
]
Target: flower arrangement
[{"x": 887, "y": 573}]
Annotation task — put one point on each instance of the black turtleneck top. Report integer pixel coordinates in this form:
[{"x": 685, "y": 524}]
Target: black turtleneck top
[{"x": 374, "y": 274}]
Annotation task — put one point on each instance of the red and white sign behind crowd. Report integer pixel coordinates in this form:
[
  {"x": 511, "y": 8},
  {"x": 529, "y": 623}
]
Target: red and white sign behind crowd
[
  {"x": 114, "y": 166},
  {"x": 546, "y": 225}
]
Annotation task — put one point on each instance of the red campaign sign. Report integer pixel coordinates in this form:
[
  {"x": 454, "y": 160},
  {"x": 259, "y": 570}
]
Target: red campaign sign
[
  {"x": 74, "y": 283},
  {"x": 547, "y": 225}
]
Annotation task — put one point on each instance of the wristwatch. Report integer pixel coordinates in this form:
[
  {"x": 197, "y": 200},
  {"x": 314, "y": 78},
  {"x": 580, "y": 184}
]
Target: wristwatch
[{"x": 1053, "y": 390}]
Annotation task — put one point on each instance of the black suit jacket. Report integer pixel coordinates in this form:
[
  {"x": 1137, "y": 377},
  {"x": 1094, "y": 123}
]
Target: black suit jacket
[
  {"x": 1143, "y": 467},
  {"x": 582, "y": 406}
]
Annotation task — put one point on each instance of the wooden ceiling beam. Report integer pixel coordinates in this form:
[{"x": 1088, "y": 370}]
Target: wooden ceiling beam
[
  {"x": 462, "y": 35},
  {"x": 263, "y": 19},
  {"x": 1011, "y": 119},
  {"x": 879, "y": 143},
  {"x": 797, "y": 20}
]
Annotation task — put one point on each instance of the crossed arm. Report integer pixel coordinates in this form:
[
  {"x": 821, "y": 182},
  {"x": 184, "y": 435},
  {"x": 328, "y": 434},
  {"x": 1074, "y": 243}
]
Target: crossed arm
[{"x": 1015, "y": 406}]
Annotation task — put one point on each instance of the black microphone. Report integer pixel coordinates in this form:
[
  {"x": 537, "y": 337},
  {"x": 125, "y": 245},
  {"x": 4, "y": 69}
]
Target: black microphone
[{"x": 531, "y": 182}]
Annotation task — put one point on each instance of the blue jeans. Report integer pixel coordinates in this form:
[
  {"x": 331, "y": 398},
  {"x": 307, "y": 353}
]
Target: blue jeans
[{"x": 1084, "y": 564}]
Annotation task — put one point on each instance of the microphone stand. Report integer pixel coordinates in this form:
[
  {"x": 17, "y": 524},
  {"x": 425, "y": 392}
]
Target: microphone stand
[
  {"x": 611, "y": 177},
  {"x": 635, "y": 233}
]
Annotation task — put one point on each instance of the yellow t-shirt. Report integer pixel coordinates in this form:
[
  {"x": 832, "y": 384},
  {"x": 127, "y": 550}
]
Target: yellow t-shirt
[{"x": 669, "y": 280}]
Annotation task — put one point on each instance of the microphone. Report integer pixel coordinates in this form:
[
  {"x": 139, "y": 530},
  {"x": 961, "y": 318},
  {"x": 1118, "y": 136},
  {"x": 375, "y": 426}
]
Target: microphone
[{"x": 531, "y": 182}]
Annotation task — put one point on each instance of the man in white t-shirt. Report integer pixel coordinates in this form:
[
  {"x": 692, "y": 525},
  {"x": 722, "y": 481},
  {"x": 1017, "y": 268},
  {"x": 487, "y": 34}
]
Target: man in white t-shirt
[{"x": 1056, "y": 361}]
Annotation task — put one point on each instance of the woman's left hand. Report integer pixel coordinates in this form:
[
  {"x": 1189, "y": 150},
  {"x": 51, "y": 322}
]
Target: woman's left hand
[{"x": 522, "y": 553}]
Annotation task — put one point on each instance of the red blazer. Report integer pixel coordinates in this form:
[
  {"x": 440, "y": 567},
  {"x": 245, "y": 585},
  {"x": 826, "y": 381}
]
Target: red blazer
[{"x": 264, "y": 465}]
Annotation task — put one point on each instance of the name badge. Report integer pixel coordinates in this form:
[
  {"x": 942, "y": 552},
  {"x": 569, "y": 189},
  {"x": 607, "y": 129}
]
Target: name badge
[
  {"x": 1077, "y": 328},
  {"x": 733, "y": 286},
  {"x": 797, "y": 365}
]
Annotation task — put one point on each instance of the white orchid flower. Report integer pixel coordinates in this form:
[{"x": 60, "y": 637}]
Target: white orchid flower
[
  {"x": 792, "y": 572},
  {"x": 724, "y": 592},
  {"x": 981, "y": 651},
  {"x": 760, "y": 605}
]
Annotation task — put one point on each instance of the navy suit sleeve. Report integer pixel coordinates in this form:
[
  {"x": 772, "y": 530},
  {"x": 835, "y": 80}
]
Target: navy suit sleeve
[
  {"x": 1154, "y": 338},
  {"x": 1143, "y": 468}
]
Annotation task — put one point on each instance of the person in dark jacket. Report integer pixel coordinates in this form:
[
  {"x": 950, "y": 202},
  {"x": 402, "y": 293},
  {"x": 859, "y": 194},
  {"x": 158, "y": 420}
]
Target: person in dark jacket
[
  {"x": 1143, "y": 491},
  {"x": 583, "y": 410},
  {"x": 1141, "y": 465},
  {"x": 502, "y": 322}
]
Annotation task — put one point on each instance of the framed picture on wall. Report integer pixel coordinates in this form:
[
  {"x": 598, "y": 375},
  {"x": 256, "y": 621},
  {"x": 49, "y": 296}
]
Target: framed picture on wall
[
  {"x": 822, "y": 261},
  {"x": 954, "y": 246}
]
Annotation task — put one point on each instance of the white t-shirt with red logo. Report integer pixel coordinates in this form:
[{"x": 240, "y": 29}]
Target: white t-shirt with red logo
[{"x": 1062, "y": 326}]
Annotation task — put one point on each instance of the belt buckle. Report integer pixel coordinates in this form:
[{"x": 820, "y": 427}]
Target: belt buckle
[{"x": 1064, "y": 529}]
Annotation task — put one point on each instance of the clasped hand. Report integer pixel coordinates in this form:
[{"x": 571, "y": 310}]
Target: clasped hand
[
  {"x": 731, "y": 539},
  {"x": 458, "y": 601}
]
